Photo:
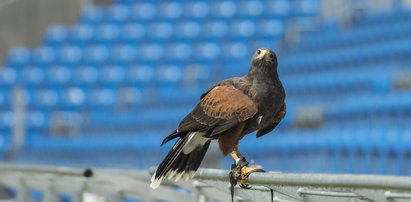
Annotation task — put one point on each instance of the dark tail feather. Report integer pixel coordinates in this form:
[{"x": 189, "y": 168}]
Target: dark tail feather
[{"x": 178, "y": 164}]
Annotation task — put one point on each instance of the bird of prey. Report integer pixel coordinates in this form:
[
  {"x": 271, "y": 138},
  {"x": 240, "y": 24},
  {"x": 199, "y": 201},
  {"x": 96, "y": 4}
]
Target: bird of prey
[{"x": 227, "y": 112}]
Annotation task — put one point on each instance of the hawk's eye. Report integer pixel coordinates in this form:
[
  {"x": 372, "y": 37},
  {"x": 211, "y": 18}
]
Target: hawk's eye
[
  {"x": 258, "y": 52},
  {"x": 271, "y": 55}
]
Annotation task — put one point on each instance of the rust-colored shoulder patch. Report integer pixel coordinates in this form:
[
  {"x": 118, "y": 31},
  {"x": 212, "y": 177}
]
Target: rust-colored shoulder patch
[{"x": 227, "y": 102}]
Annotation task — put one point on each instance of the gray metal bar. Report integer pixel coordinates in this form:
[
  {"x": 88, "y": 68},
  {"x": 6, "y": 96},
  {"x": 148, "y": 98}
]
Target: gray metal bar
[
  {"x": 37, "y": 169},
  {"x": 319, "y": 180},
  {"x": 302, "y": 191},
  {"x": 393, "y": 195},
  {"x": 276, "y": 199}
]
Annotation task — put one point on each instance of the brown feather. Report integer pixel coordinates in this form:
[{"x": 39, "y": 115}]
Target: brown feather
[
  {"x": 281, "y": 114},
  {"x": 227, "y": 102},
  {"x": 276, "y": 120},
  {"x": 229, "y": 139}
]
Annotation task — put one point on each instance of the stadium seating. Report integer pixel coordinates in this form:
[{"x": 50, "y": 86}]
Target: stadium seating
[{"x": 106, "y": 90}]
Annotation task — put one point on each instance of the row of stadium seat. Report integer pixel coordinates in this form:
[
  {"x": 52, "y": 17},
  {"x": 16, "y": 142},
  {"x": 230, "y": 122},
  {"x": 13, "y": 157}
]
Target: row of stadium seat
[
  {"x": 373, "y": 19},
  {"x": 372, "y": 109},
  {"x": 105, "y": 76},
  {"x": 335, "y": 82},
  {"x": 136, "y": 32},
  {"x": 229, "y": 51},
  {"x": 75, "y": 97},
  {"x": 350, "y": 56},
  {"x": 129, "y": 54},
  {"x": 361, "y": 36},
  {"x": 147, "y": 11}
]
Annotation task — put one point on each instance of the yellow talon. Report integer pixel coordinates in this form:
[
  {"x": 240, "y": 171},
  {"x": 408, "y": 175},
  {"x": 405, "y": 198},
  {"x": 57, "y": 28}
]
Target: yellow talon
[{"x": 246, "y": 171}]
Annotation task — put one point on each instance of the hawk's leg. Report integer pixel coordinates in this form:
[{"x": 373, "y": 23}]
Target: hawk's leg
[{"x": 240, "y": 170}]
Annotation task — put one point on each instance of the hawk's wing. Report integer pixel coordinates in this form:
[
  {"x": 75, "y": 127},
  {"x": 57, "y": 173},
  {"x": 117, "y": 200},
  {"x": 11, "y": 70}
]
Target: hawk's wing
[
  {"x": 278, "y": 117},
  {"x": 221, "y": 108}
]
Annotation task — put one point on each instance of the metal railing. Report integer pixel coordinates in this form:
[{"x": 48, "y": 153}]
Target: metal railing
[{"x": 102, "y": 184}]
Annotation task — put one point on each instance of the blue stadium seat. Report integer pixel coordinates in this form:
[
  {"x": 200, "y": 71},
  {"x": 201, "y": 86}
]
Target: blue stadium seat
[
  {"x": 92, "y": 14},
  {"x": 161, "y": 30},
  {"x": 107, "y": 32},
  {"x": 140, "y": 74},
  {"x": 6, "y": 121},
  {"x": 224, "y": 9},
  {"x": 209, "y": 50},
  {"x": 305, "y": 7},
  {"x": 103, "y": 98},
  {"x": 143, "y": 11},
  {"x": 44, "y": 98},
  {"x": 37, "y": 120},
  {"x": 59, "y": 75},
  {"x": 235, "y": 50},
  {"x": 131, "y": 97},
  {"x": 69, "y": 55},
  {"x": 56, "y": 34},
  {"x": 74, "y": 97},
  {"x": 277, "y": 8},
  {"x": 197, "y": 9},
  {"x": 169, "y": 74},
  {"x": 113, "y": 74},
  {"x": 19, "y": 56},
  {"x": 216, "y": 29},
  {"x": 44, "y": 55},
  {"x": 82, "y": 33},
  {"x": 5, "y": 98},
  {"x": 172, "y": 10},
  {"x": 124, "y": 54},
  {"x": 8, "y": 76},
  {"x": 96, "y": 54},
  {"x": 188, "y": 29},
  {"x": 198, "y": 72},
  {"x": 132, "y": 32},
  {"x": 251, "y": 8},
  {"x": 86, "y": 75},
  {"x": 33, "y": 75},
  {"x": 271, "y": 28},
  {"x": 178, "y": 51},
  {"x": 118, "y": 13},
  {"x": 150, "y": 52},
  {"x": 243, "y": 28}
]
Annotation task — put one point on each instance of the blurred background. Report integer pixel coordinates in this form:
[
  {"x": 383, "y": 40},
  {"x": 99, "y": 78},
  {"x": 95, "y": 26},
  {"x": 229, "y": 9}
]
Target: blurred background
[{"x": 101, "y": 83}]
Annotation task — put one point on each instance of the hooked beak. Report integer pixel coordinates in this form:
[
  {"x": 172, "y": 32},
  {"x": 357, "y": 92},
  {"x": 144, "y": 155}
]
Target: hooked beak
[{"x": 264, "y": 55}]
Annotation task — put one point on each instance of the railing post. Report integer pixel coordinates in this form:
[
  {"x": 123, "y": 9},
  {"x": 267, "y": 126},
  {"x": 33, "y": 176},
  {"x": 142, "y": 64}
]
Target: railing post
[
  {"x": 115, "y": 198},
  {"x": 77, "y": 197},
  {"x": 23, "y": 194},
  {"x": 49, "y": 193},
  {"x": 18, "y": 133}
]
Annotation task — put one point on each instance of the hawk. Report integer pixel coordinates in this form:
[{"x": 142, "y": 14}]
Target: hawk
[{"x": 227, "y": 112}]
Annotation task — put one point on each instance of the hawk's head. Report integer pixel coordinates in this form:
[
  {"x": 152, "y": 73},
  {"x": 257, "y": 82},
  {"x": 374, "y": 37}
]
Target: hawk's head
[{"x": 265, "y": 57}]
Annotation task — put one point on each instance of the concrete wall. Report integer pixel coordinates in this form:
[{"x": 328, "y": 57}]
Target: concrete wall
[{"x": 22, "y": 22}]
